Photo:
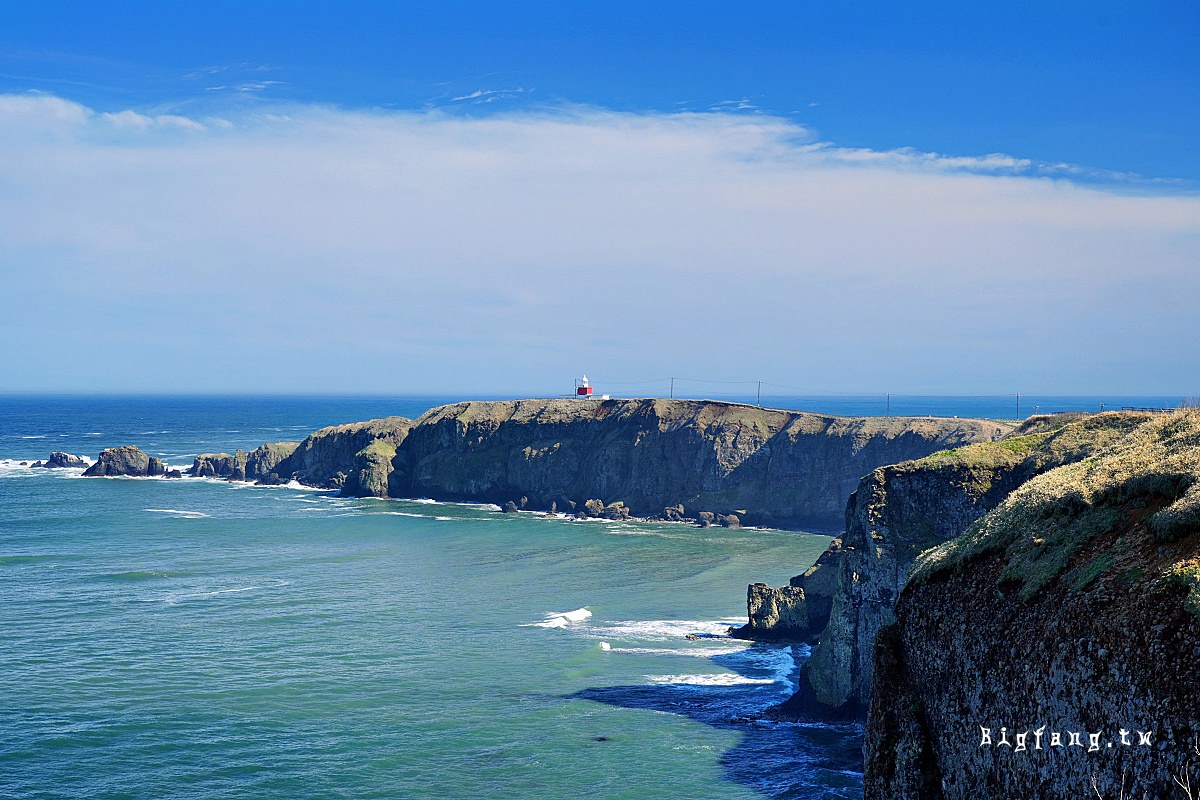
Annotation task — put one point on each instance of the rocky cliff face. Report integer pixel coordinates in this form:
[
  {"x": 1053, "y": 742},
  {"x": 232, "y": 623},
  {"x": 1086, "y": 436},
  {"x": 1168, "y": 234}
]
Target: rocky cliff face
[
  {"x": 780, "y": 468},
  {"x": 328, "y": 457},
  {"x": 896, "y": 513},
  {"x": 1072, "y": 608}
]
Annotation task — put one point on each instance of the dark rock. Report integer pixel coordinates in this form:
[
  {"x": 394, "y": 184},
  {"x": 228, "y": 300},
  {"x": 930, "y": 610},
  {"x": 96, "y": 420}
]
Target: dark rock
[
  {"x": 995, "y": 629},
  {"x": 593, "y": 508},
  {"x": 220, "y": 465},
  {"x": 729, "y": 520},
  {"x": 126, "y": 460},
  {"x": 674, "y": 513},
  {"x": 174, "y": 473},
  {"x": 705, "y": 519},
  {"x": 60, "y": 460},
  {"x": 510, "y": 507}
]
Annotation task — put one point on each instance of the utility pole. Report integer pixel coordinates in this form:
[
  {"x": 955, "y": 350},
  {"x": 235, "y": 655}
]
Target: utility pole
[
  {"x": 1018, "y": 406},
  {"x": 889, "y": 403},
  {"x": 760, "y": 394},
  {"x": 672, "y": 388}
]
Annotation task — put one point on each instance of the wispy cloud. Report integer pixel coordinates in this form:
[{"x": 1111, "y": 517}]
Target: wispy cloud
[
  {"x": 491, "y": 95},
  {"x": 321, "y": 248}
]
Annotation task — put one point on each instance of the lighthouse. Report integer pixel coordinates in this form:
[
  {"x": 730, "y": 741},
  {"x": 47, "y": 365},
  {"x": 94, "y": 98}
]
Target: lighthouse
[{"x": 582, "y": 390}]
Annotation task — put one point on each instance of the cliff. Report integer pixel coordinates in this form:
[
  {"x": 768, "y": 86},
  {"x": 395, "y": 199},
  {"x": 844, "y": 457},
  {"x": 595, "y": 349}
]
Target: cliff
[
  {"x": 1073, "y": 607},
  {"x": 764, "y": 466},
  {"x": 897, "y": 512},
  {"x": 329, "y": 457}
]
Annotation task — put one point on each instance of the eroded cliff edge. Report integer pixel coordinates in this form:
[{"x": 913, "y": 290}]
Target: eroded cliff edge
[
  {"x": 897, "y": 512},
  {"x": 768, "y": 467},
  {"x": 1074, "y": 606},
  {"x": 649, "y": 457}
]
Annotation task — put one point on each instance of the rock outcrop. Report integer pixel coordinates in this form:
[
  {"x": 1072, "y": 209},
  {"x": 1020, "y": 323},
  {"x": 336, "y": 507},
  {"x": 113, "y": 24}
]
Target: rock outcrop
[
  {"x": 751, "y": 465},
  {"x": 60, "y": 460},
  {"x": 330, "y": 457},
  {"x": 1073, "y": 608},
  {"x": 896, "y": 513},
  {"x": 220, "y": 465},
  {"x": 259, "y": 464},
  {"x": 129, "y": 461}
]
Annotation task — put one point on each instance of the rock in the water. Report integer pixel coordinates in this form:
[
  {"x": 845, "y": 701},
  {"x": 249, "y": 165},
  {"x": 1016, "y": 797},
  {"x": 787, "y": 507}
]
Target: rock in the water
[
  {"x": 705, "y": 519},
  {"x": 593, "y": 508},
  {"x": 673, "y": 513},
  {"x": 220, "y": 465},
  {"x": 729, "y": 520},
  {"x": 59, "y": 460},
  {"x": 510, "y": 507},
  {"x": 128, "y": 460}
]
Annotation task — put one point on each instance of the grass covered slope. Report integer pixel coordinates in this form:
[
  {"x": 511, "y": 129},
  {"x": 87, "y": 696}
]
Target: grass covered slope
[{"x": 1074, "y": 605}]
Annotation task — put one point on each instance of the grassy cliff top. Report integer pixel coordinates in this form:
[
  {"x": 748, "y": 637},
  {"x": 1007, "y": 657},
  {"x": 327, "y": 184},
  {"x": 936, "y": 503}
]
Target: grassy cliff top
[
  {"x": 1138, "y": 490},
  {"x": 671, "y": 413}
]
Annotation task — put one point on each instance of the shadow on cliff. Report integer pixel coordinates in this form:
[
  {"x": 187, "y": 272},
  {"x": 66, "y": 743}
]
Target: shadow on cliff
[{"x": 775, "y": 759}]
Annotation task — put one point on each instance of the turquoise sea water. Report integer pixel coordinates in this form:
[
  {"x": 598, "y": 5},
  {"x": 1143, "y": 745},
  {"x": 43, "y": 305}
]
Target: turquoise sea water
[{"x": 194, "y": 638}]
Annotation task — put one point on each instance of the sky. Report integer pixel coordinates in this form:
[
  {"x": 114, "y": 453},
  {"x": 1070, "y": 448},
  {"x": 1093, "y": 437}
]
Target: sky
[{"x": 493, "y": 199}]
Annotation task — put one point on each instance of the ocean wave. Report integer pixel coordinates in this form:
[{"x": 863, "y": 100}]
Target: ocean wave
[
  {"x": 178, "y": 513},
  {"x": 713, "y": 679},
  {"x": 695, "y": 652},
  {"x": 560, "y": 619},
  {"x": 664, "y": 629}
]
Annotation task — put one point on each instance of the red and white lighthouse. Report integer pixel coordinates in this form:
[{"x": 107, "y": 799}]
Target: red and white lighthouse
[{"x": 582, "y": 389}]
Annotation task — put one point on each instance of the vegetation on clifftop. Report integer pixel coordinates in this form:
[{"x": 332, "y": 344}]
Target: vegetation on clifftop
[{"x": 1145, "y": 476}]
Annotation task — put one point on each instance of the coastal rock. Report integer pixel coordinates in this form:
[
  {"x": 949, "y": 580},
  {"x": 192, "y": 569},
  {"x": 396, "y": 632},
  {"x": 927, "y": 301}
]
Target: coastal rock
[
  {"x": 266, "y": 458},
  {"x": 329, "y": 457},
  {"x": 1074, "y": 606},
  {"x": 220, "y": 465},
  {"x": 796, "y": 612},
  {"x": 510, "y": 507},
  {"x": 784, "y": 468},
  {"x": 674, "y": 513},
  {"x": 128, "y": 460},
  {"x": 368, "y": 477},
  {"x": 901, "y": 510},
  {"x": 60, "y": 460}
]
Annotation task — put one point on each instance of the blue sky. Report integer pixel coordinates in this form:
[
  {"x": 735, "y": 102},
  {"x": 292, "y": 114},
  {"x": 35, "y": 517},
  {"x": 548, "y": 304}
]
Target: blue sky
[{"x": 383, "y": 197}]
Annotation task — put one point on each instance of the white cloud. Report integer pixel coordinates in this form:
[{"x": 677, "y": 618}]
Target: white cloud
[{"x": 319, "y": 248}]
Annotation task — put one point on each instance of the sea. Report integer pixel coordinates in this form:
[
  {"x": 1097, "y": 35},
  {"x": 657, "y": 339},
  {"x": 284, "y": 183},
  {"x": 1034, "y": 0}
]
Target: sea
[{"x": 195, "y": 638}]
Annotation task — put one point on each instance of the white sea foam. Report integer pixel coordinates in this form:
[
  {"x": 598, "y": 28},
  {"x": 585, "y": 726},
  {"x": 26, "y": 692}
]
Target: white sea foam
[
  {"x": 176, "y": 512},
  {"x": 664, "y": 629},
  {"x": 718, "y": 679},
  {"x": 560, "y": 619},
  {"x": 605, "y": 646},
  {"x": 695, "y": 652},
  {"x": 33, "y": 437},
  {"x": 425, "y": 501},
  {"x": 401, "y": 514}
]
